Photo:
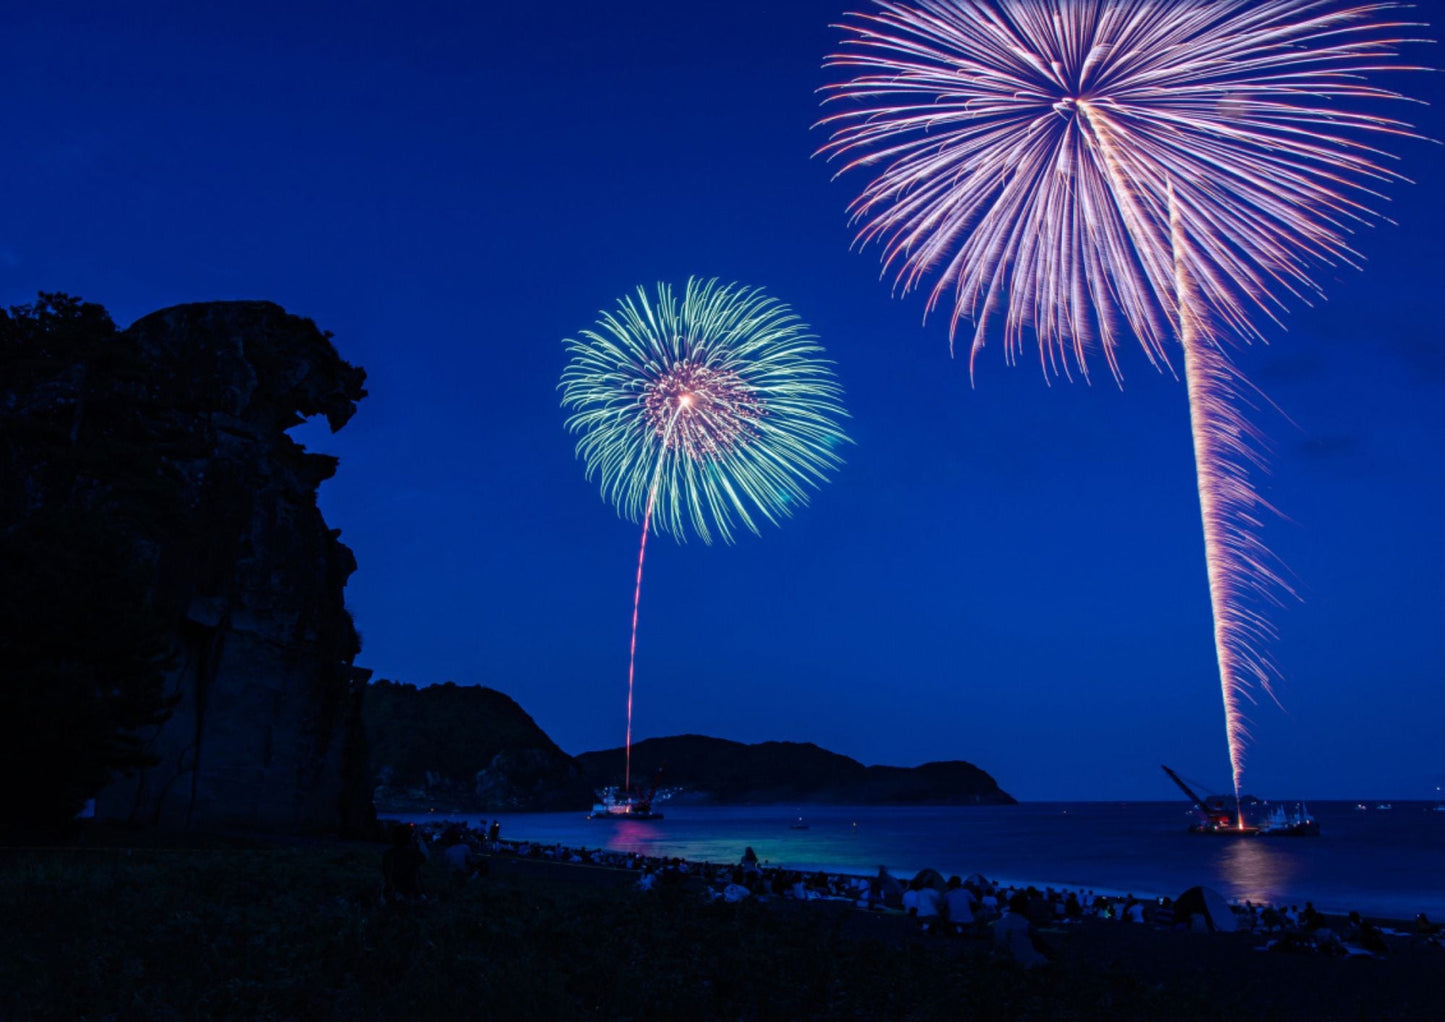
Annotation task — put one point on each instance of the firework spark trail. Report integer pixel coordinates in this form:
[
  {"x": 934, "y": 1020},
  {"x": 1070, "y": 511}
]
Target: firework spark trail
[
  {"x": 682, "y": 402},
  {"x": 1237, "y": 564},
  {"x": 1170, "y": 169},
  {"x": 701, "y": 415}
]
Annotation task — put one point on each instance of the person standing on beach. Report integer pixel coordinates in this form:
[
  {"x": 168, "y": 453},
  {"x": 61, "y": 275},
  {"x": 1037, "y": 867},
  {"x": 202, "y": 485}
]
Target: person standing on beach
[{"x": 401, "y": 865}]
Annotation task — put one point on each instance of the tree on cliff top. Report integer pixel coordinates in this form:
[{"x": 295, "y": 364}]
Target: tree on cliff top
[{"x": 82, "y": 651}]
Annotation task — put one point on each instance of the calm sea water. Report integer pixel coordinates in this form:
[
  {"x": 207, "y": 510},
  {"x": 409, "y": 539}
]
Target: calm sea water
[{"x": 1388, "y": 863}]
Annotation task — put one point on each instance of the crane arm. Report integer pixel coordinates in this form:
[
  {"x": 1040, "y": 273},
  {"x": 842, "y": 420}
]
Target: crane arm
[{"x": 1199, "y": 802}]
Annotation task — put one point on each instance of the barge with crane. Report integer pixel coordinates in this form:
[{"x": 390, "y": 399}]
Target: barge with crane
[{"x": 1223, "y": 816}]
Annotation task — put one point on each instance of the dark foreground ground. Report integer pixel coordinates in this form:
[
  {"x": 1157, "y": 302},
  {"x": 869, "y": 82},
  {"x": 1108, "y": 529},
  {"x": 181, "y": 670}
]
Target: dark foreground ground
[{"x": 230, "y": 931}]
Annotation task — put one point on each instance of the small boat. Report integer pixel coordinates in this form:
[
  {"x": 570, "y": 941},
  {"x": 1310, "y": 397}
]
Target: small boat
[
  {"x": 614, "y": 805},
  {"x": 1292, "y": 822},
  {"x": 1384, "y": 805},
  {"x": 624, "y": 808},
  {"x": 799, "y": 825}
]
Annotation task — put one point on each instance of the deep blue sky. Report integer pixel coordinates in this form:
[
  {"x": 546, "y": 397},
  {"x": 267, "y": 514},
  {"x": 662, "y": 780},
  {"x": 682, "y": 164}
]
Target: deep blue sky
[{"x": 1010, "y": 573}]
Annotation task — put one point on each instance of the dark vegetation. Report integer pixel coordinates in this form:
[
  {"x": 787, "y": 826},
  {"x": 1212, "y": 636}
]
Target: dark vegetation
[
  {"x": 279, "y": 933},
  {"x": 85, "y": 498},
  {"x": 464, "y": 747},
  {"x": 725, "y": 771}
]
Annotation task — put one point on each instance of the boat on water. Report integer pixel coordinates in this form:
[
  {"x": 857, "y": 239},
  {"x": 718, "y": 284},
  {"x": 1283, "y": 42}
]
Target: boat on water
[
  {"x": 625, "y": 807},
  {"x": 613, "y": 804},
  {"x": 1223, "y": 816}
]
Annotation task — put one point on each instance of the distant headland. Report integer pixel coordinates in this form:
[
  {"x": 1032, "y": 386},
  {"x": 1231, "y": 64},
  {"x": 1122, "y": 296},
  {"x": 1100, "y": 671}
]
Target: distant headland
[{"x": 473, "y": 749}]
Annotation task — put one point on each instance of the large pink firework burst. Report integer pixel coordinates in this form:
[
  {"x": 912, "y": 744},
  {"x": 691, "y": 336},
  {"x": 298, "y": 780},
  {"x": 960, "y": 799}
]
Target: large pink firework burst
[{"x": 1088, "y": 170}]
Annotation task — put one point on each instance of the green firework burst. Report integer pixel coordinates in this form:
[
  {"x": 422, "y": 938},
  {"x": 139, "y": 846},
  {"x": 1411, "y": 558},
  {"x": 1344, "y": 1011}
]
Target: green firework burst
[{"x": 721, "y": 401}]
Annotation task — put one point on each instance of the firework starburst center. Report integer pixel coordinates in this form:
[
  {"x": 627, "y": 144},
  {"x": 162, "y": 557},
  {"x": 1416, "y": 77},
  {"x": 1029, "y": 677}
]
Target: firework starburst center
[{"x": 701, "y": 411}]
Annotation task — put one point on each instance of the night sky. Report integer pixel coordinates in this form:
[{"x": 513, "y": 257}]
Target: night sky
[{"x": 1009, "y": 573}]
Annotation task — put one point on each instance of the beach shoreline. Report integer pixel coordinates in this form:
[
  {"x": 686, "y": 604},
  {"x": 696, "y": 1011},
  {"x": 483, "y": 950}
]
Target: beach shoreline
[
  {"x": 244, "y": 921},
  {"x": 1105, "y": 848}
]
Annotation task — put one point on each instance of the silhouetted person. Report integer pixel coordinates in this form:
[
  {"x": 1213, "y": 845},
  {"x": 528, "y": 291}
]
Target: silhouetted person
[
  {"x": 494, "y": 833},
  {"x": 959, "y": 902},
  {"x": 401, "y": 864},
  {"x": 1309, "y": 919},
  {"x": 1011, "y": 933},
  {"x": 929, "y": 906},
  {"x": 1371, "y": 939},
  {"x": 889, "y": 889},
  {"x": 457, "y": 854}
]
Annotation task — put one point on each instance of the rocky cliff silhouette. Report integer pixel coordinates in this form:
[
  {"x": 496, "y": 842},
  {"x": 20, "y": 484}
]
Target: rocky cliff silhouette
[{"x": 189, "y": 408}]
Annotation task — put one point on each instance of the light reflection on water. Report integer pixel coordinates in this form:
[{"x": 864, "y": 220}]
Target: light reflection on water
[
  {"x": 1385, "y": 863},
  {"x": 1258, "y": 869},
  {"x": 637, "y": 836}
]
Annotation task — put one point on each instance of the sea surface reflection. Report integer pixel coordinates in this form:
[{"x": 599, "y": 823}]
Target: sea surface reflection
[
  {"x": 1258, "y": 869},
  {"x": 1385, "y": 863}
]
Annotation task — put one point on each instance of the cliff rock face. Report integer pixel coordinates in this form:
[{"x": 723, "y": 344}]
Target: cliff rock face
[
  {"x": 466, "y": 748},
  {"x": 266, "y": 732},
  {"x": 723, "y": 771}
]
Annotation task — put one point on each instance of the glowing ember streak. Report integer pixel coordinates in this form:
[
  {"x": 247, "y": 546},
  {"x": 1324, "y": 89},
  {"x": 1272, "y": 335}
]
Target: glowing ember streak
[
  {"x": 701, "y": 415},
  {"x": 1237, "y": 563},
  {"x": 1090, "y": 168},
  {"x": 683, "y": 402}
]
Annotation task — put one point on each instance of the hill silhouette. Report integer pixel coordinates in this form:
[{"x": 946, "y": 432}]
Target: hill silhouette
[
  {"x": 723, "y": 771},
  {"x": 464, "y": 747},
  {"x": 473, "y": 749}
]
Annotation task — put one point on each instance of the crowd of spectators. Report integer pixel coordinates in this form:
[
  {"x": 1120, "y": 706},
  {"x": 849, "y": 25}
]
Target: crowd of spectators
[{"x": 975, "y": 907}]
